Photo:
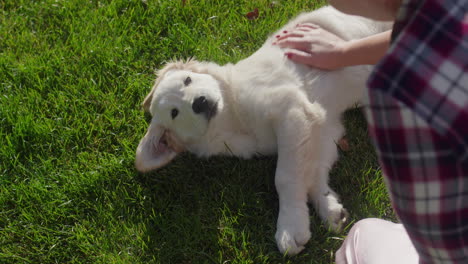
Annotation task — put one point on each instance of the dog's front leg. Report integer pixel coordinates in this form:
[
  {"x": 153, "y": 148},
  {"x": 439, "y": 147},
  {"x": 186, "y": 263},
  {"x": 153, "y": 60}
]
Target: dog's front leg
[
  {"x": 293, "y": 219},
  {"x": 297, "y": 138}
]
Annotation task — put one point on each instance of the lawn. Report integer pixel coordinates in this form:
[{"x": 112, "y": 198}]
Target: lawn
[{"x": 72, "y": 77}]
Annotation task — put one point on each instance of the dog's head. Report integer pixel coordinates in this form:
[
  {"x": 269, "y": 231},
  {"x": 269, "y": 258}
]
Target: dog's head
[{"x": 182, "y": 103}]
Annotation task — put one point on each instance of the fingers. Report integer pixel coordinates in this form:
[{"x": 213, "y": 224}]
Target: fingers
[
  {"x": 289, "y": 35},
  {"x": 294, "y": 43},
  {"x": 298, "y": 31},
  {"x": 307, "y": 26},
  {"x": 301, "y": 57}
]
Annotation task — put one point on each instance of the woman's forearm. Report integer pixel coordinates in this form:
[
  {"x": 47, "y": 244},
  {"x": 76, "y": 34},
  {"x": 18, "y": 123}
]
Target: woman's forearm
[{"x": 367, "y": 50}]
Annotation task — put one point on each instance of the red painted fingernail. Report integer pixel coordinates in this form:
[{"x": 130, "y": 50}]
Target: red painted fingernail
[
  {"x": 289, "y": 55},
  {"x": 277, "y": 36},
  {"x": 285, "y": 31}
]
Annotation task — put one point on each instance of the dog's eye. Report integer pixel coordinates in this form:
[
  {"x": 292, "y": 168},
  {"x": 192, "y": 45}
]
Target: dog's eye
[
  {"x": 174, "y": 113},
  {"x": 187, "y": 81}
]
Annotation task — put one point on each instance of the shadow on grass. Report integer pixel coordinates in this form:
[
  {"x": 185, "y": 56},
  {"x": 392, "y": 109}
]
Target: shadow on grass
[{"x": 212, "y": 209}]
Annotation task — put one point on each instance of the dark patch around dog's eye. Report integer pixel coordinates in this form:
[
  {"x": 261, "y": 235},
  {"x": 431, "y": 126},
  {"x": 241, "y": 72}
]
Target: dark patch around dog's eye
[
  {"x": 187, "y": 81},
  {"x": 174, "y": 113}
]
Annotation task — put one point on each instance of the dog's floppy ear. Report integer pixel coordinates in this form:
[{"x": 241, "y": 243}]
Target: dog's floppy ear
[
  {"x": 156, "y": 149},
  {"x": 147, "y": 101}
]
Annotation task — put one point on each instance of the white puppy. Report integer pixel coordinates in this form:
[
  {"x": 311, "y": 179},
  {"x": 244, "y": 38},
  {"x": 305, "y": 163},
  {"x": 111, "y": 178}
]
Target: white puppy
[{"x": 263, "y": 104}]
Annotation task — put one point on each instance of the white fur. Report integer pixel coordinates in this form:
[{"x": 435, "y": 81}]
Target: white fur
[{"x": 269, "y": 105}]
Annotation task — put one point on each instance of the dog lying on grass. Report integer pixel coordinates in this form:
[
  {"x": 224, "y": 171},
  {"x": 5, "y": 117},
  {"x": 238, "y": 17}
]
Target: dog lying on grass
[{"x": 264, "y": 104}]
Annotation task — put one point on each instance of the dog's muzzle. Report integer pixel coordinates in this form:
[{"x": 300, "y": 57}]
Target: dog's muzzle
[{"x": 201, "y": 105}]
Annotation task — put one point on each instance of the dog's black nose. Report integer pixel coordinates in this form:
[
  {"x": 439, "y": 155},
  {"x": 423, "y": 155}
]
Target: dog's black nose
[{"x": 201, "y": 105}]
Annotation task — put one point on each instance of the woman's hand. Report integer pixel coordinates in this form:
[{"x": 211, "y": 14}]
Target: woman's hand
[{"x": 311, "y": 45}]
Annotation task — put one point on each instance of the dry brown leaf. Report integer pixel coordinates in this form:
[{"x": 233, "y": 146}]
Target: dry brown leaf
[
  {"x": 343, "y": 144},
  {"x": 252, "y": 15}
]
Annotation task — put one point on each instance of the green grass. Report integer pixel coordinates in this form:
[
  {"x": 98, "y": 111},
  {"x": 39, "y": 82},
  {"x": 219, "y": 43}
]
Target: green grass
[{"x": 72, "y": 77}]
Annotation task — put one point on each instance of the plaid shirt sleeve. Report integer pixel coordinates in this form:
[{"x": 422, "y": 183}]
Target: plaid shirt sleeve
[{"x": 418, "y": 119}]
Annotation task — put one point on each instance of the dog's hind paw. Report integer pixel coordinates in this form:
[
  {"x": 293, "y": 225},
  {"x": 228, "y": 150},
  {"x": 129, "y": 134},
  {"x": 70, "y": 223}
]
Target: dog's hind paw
[
  {"x": 332, "y": 212},
  {"x": 337, "y": 219},
  {"x": 291, "y": 242}
]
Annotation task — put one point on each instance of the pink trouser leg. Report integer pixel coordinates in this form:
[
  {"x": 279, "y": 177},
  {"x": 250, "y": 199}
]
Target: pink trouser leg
[{"x": 376, "y": 241}]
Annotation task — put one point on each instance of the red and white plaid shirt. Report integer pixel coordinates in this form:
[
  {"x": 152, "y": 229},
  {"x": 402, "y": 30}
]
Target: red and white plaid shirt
[{"x": 418, "y": 119}]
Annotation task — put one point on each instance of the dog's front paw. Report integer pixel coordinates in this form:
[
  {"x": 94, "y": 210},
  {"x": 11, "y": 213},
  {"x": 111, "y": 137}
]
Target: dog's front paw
[
  {"x": 293, "y": 232},
  {"x": 291, "y": 242}
]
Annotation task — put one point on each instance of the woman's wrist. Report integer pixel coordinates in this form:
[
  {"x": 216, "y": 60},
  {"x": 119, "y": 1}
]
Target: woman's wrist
[
  {"x": 347, "y": 54},
  {"x": 366, "y": 51}
]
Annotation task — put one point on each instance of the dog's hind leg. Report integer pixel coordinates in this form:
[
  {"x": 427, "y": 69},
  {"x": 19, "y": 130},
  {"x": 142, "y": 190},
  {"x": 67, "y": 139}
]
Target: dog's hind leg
[
  {"x": 324, "y": 199},
  {"x": 327, "y": 204}
]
